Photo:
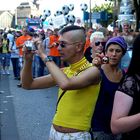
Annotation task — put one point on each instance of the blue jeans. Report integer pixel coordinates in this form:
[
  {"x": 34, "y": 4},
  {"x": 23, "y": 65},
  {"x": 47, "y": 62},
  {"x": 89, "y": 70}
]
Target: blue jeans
[
  {"x": 16, "y": 68},
  {"x": 5, "y": 59},
  {"x": 38, "y": 66}
]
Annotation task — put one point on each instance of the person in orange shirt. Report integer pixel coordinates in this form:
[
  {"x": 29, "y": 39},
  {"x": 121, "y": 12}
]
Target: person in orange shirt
[
  {"x": 53, "y": 46},
  {"x": 20, "y": 43},
  {"x": 20, "y": 40},
  {"x": 88, "y": 34}
]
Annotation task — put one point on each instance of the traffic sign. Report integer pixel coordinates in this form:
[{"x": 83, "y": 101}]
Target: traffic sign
[{"x": 96, "y": 15}]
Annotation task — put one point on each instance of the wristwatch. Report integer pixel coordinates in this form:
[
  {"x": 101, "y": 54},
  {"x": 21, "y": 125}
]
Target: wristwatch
[{"x": 47, "y": 58}]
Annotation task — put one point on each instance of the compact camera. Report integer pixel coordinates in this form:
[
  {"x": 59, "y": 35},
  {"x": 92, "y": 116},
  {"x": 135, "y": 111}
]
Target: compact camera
[
  {"x": 55, "y": 44},
  {"x": 105, "y": 60},
  {"x": 30, "y": 45}
]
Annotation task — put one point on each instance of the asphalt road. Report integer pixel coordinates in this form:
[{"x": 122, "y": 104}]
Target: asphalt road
[{"x": 25, "y": 114}]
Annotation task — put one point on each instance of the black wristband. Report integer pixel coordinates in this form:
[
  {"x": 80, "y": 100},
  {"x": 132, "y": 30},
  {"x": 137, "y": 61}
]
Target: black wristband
[{"x": 47, "y": 58}]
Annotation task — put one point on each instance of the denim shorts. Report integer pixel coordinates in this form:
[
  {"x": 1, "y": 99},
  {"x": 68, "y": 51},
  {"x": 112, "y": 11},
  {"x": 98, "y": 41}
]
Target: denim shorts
[{"x": 5, "y": 59}]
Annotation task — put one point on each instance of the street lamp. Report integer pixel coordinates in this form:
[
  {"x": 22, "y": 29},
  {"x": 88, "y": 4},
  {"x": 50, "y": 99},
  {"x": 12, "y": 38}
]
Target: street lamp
[
  {"x": 115, "y": 13},
  {"x": 90, "y": 15}
]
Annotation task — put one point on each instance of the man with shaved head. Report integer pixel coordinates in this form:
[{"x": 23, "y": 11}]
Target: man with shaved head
[{"x": 78, "y": 83}]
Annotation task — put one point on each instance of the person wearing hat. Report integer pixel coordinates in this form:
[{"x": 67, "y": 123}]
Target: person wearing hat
[{"x": 111, "y": 75}]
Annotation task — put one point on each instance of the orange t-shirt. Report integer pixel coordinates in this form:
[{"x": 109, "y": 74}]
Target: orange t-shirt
[
  {"x": 20, "y": 40},
  {"x": 54, "y": 50},
  {"x": 87, "y": 44}
]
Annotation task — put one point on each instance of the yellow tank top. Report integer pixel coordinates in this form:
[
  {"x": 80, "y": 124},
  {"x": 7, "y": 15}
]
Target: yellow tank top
[
  {"x": 4, "y": 47},
  {"x": 76, "y": 107}
]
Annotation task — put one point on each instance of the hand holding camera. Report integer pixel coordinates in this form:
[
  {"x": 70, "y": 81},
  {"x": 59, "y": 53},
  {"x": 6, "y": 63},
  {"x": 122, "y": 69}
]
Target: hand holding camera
[
  {"x": 29, "y": 44},
  {"x": 100, "y": 59},
  {"x": 55, "y": 44}
]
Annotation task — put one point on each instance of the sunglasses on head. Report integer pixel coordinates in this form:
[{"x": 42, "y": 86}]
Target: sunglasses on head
[{"x": 97, "y": 43}]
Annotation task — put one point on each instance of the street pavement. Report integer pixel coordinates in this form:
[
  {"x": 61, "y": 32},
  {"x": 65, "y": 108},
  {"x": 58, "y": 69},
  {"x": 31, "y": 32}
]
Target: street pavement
[{"x": 25, "y": 114}]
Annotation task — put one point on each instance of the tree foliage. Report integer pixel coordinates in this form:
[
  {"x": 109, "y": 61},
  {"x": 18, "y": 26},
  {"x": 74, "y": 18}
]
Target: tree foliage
[
  {"x": 104, "y": 7},
  {"x": 108, "y": 8}
]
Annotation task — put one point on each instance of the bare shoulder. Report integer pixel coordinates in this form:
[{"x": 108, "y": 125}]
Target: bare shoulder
[
  {"x": 93, "y": 74},
  {"x": 92, "y": 69}
]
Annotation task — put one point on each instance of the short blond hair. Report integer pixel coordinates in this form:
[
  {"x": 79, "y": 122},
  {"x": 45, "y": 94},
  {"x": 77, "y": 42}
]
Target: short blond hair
[{"x": 96, "y": 35}]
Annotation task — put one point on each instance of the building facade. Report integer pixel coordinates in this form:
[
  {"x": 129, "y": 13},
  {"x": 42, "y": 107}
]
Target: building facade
[
  {"x": 6, "y": 19},
  {"x": 25, "y": 10}
]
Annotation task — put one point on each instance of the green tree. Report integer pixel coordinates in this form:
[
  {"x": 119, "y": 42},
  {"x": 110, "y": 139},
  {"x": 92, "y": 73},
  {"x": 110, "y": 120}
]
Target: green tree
[
  {"x": 114, "y": 9},
  {"x": 108, "y": 9}
]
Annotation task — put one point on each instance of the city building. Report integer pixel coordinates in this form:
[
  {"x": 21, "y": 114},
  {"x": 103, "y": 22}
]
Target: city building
[
  {"x": 6, "y": 19},
  {"x": 25, "y": 10}
]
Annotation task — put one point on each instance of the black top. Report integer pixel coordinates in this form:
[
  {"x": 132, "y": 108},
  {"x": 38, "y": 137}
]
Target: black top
[
  {"x": 88, "y": 54},
  {"x": 103, "y": 110},
  {"x": 131, "y": 86}
]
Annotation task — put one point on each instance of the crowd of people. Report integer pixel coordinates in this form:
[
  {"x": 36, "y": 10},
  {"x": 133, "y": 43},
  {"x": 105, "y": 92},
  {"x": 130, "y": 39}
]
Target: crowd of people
[
  {"x": 97, "y": 73},
  {"x": 11, "y": 51}
]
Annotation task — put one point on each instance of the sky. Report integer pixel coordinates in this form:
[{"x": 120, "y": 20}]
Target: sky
[
  {"x": 51, "y": 5},
  {"x": 8, "y": 4}
]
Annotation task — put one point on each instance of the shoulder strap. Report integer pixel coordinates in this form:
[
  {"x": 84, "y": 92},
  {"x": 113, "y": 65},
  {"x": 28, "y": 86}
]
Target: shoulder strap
[
  {"x": 66, "y": 90},
  {"x": 60, "y": 98}
]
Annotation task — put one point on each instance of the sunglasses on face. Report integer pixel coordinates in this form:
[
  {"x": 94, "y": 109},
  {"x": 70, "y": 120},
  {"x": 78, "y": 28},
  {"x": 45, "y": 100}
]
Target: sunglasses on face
[
  {"x": 97, "y": 43},
  {"x": 125, "y": 25},
  {"x": 64, "y": 44}
]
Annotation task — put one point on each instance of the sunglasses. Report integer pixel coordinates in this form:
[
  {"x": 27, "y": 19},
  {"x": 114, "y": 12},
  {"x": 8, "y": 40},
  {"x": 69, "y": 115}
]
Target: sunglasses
[
  {"x": 125, "y": 25},
  {"x": 97, "y": 43},
  {"x": 64, "y": 44}
]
